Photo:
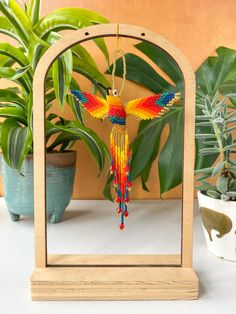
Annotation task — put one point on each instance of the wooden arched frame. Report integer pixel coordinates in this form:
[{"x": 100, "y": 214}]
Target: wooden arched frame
[{"x": 146, "y": 277}]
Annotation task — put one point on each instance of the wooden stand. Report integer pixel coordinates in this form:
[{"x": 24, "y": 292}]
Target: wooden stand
[
  {"x": 114, "y": 283},
  {"x": 112, "y": 277}
]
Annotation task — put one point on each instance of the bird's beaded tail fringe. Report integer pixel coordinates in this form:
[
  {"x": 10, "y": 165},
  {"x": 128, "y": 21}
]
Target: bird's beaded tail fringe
[{"x": 120, "y": 167}]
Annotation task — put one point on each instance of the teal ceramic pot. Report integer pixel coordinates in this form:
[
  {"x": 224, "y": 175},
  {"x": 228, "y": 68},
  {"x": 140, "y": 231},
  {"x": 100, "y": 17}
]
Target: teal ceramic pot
[{"x": 18, "y": 188}]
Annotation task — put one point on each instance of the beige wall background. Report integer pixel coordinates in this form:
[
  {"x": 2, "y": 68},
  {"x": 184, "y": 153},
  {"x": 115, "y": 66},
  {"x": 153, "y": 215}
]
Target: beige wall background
[{"x": 195, "y": 27}]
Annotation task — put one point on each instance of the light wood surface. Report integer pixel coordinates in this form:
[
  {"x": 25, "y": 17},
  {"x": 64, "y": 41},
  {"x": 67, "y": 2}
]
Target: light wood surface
[
  {"x": 188, "y": 166},
  {"x": 113, "y": 259},
  {"x": 39, "y": 169},
  {"x": 39, "y": 162},
  {"x": 109, "y": 283}
]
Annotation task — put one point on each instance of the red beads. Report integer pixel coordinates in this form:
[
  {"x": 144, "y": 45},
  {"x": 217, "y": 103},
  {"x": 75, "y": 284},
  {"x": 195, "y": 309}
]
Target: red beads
[
  {"x": 122, "y": 226},
  {"x": 126, "y": 213},
  {"x": 118, "y": 200},
  {"x": 119, "y": 210},
  {"x": 127, "y": 169},
  {"x": 127, "y": 200}
]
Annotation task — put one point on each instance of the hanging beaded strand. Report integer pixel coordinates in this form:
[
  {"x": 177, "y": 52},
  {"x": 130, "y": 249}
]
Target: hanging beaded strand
[{"x": 119, "y": 146}]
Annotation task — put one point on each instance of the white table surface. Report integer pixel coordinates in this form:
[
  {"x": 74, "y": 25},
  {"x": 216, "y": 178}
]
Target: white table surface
[{"x": 92, "y": 227}]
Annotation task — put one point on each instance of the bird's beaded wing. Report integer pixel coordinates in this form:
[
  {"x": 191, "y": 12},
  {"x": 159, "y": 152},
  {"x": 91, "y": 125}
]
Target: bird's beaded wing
[
  {"x": 151, "y": 107},
  {"x": 95, "y": 105}
]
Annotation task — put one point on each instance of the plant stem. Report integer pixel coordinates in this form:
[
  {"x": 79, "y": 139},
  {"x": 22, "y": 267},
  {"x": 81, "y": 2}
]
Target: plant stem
[
  {"x": 218, "y": 137},
  {"x": 223, "y": 157}
]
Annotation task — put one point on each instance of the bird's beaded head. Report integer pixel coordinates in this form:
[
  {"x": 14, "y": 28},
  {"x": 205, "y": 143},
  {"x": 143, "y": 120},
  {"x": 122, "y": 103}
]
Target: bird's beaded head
[
  {"x": 113, "y": 92},
  {"x": 113, "y": 95}
]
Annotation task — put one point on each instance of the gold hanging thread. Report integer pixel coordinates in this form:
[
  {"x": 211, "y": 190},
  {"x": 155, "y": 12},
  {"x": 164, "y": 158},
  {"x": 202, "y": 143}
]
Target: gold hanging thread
[{"x": 116, "y": 52}]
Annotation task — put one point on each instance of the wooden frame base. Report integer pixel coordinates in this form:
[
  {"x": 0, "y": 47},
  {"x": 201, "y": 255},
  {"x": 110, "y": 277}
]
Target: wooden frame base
[
  {"x": 85, "y": 277},
  {"x": 114, "y": 260},
  {"x": 114, "y": 283}
]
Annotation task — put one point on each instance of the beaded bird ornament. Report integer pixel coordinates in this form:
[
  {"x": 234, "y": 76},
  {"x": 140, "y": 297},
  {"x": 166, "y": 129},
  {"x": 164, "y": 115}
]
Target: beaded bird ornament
[{"x": 112, "y": 107}]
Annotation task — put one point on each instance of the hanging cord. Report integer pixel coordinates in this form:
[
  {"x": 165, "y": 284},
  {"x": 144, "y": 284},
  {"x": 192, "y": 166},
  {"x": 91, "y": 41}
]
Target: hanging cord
[{"x": 118, "y": 51}]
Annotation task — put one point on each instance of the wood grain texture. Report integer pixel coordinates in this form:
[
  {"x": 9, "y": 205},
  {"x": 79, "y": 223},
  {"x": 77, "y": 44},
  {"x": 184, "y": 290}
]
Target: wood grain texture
[
  {"x": 109, "y": 283},
  {"x": 113, "y": 259},
  {"x": 40, "y": 229},
  {"x": 188, "y": 167}
]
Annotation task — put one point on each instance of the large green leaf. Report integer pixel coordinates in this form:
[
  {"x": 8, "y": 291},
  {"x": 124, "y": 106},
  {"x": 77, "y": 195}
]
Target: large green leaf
[
  {"x": 145, "y": 148},
  {"x": 67, "y": 18},
  {"x": 139, "y": 71},
  {"x": 1, "y": 123},
  {"x": 17, "y": 17},
  {"x": 170, "y": 161},
  {"x": 92, "y": 73},
  {"x": 16, "y": 142},
  {"x": 28, "y": 110},
  {"x": 61, "y": 78},
  {"x": 14, "y": 53},
  {"x": 36, "y": 49},
  {"x": 7, "y": 73},
  {"x": 70, "y": 18},
  {"x": 16, "y": 75},
  {"x": 75, "y": 105},
  {"x": 14, "y": 112},
  {"x": 61, "y": 72},
  {"x": 33, "y": 10},
  {"x": 228, "y": 88},
  {"x": 76, "y": 130},
  {"x": 5, "y": 60},
  {"x": 81, "y": 52},
  {"x": 102, "y": 46},
  {"x": 64, "y": 139},
  {"x": 145, "y": 145},
  {"x": 7, "y": 95},
  {"x": 162, "y": 60},
  {"x": 8, "y": 29},
  {"x": 216, "y": 70}
]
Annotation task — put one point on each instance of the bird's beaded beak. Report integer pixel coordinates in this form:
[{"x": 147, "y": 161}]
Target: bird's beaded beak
[{"x": 113, "y": 92}]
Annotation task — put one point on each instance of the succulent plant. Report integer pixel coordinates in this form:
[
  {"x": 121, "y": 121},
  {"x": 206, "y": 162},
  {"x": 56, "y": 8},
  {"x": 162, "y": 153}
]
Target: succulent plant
[{"x": 220, "y": 117}]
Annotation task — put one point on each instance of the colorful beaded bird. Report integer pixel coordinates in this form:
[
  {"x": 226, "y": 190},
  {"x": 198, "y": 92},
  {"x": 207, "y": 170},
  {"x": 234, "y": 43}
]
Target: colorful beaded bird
[{"x": 142, "y": 109}]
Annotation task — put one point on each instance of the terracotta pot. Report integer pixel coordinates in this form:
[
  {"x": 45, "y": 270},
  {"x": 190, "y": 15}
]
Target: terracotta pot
[
  {"x": 18, "y": 187},
  {"x": 219, "y": 225}
]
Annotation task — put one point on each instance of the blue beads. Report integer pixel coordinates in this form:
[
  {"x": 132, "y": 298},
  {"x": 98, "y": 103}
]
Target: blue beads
[
  {"x": 79, "y": 95},
  {"x": 165, "y": 99},
  {"x": 117, "y": 120}
]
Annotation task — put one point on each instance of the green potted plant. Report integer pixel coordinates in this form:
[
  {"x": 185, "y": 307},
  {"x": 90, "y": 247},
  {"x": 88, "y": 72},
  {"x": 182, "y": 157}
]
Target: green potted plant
[
  {"x": 17, "y": 64},
  {"x": 217, "y": 197},
  {"x": 216, "y": 72}
]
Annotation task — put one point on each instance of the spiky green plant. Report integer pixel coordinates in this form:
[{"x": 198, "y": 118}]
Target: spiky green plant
[
  {"x": 33, "y": 36},
  {"x": 221, "y": 120}
]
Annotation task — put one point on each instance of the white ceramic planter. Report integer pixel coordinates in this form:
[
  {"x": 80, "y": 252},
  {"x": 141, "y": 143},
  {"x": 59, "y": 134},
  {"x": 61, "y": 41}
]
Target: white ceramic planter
[{"x": 219, "y": 225}]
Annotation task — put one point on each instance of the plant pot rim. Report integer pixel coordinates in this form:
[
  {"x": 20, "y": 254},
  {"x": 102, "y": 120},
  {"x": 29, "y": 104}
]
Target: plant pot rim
[
  {"x": 214, "y": 199},
  {"x": 65, "y": 152},
  {"x": 59, "y": 159},
  {"x": 52, "y": 153}
]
